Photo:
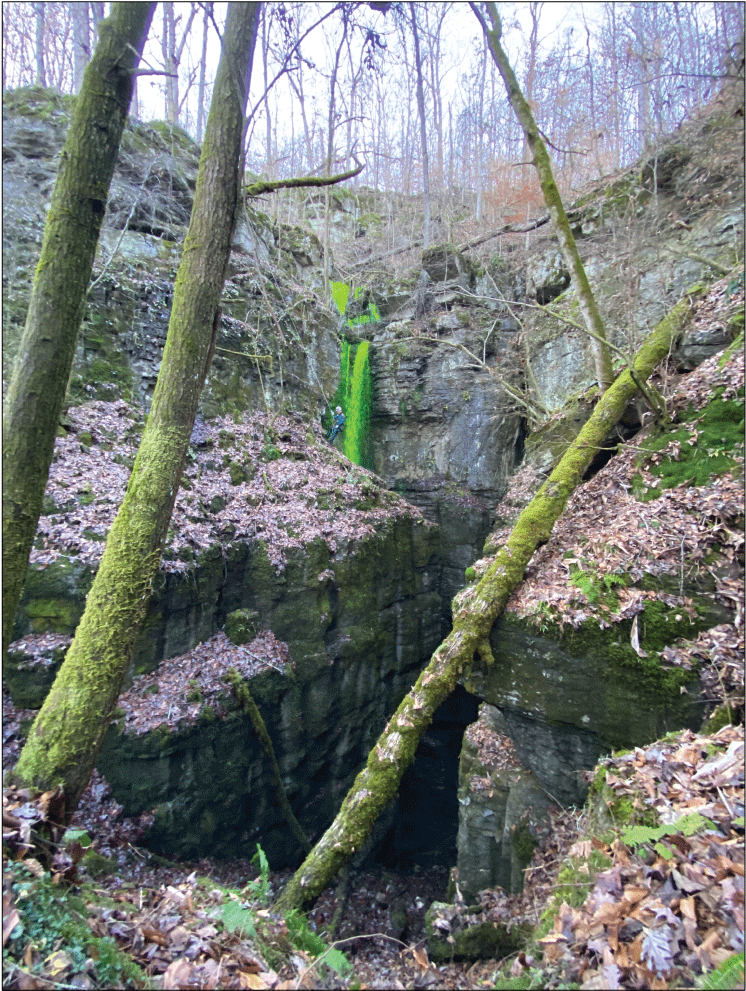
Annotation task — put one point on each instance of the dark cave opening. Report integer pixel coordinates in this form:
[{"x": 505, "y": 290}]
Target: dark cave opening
[{"x": 425, "y": 818}]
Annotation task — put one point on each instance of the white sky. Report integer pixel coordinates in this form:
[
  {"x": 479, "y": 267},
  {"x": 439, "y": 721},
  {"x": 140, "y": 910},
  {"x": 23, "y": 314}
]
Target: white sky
[{"x": 554, "y": 16}]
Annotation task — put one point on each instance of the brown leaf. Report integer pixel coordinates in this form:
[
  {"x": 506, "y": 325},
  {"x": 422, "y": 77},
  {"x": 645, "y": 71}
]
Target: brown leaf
[
  {"x": 420, "y": 956},
  {"x": 177, "y": 975},
  {"x": 154, "y": 935},
  {"x": 252, "y": 981}
]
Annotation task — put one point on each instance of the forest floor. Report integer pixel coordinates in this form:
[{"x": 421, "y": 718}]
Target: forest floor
[
  {"x": 653, "y": 902},
  {"x": 654, "y": 910}
]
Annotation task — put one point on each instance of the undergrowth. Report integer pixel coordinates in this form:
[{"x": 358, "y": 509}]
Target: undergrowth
[{"x": 51, "y": 934}]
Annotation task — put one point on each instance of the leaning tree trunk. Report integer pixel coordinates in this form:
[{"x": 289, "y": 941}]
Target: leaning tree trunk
[
  {"x": 45, "y": 356},
  {"x": 69, "y": 729},
  {"x": 475, "y": 613},
  {"x": 560, "y": 223}
]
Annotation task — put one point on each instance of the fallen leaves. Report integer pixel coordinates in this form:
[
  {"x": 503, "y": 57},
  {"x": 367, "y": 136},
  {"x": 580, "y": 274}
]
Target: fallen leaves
[
  {"x": 180, "y": 690},
  {"x": 668, "y": 909},
  {"x": 606, "y": 532},
  {"x": 264, "y": 478}
]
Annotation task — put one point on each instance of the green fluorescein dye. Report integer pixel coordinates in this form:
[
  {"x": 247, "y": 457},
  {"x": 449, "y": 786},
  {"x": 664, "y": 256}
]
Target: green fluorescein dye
[
  {"x": 341, "y": 293},
  {"x": 357, "y": 409}
]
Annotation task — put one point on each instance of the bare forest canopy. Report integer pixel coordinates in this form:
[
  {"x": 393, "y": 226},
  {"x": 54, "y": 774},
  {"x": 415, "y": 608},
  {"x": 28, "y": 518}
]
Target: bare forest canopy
[{"x": 337, "y": 83}]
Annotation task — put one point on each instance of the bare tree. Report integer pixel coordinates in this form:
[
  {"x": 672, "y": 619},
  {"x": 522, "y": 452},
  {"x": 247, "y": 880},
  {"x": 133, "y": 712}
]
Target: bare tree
[
  {"x": 172, "y": 55},
  {"x": 560, "y": 223},
  {"x": 81, "y": 40},
  {"x": 40, "y": 14},
  {"x": 206, "y": 18},
  {"x": 423, "y": 128}
]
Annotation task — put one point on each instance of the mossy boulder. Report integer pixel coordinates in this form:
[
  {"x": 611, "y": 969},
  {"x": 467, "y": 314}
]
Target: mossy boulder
[
  {"x": 455, "y": 933},
  {"x": 570, "y": 695}
]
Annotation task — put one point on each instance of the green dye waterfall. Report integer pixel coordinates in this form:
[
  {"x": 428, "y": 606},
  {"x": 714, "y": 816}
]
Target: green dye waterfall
[
  {"x": 354, "y": 394},
  {"x": 357, "y": 445}
]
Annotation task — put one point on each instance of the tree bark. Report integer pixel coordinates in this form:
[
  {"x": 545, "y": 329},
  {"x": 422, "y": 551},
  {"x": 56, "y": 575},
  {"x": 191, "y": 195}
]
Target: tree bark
[
  {"x": 81, "y": 41},
  {"x": 423, "y": 131},
  {"x": 42, "y": 367},
  {"x": 474, "y": 614},
  {"x": 69, "y": 729},
  {"x": 560, "y": 223}
]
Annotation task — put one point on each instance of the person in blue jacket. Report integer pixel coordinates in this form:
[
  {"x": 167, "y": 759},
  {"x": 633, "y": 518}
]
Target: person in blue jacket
[{"x": 337, "y": 424}]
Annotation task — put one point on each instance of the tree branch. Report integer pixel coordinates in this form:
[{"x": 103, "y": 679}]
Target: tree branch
[{"x": 300, "y": 182}]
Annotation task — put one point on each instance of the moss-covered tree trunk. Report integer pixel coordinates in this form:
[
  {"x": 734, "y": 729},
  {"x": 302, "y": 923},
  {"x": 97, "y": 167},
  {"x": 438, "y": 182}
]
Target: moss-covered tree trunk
[
  {"x": 42, "y": 367},
  {"x": 69, "y": 729},
  {"x": 475, "y": 612},
  {"x": 560, "y": 223}
]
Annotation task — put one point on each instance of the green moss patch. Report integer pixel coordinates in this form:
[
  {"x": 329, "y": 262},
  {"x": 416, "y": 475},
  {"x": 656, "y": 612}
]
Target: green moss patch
[{"x": 707, "y": 443}]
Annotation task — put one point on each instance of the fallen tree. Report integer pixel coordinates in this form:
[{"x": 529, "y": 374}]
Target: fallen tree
[{"x": 475, "y": 612}]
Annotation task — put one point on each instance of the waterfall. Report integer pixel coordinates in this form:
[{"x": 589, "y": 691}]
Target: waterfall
[
  {"x": 357, "y": 445},
  {"x": 354, "y": 393}
]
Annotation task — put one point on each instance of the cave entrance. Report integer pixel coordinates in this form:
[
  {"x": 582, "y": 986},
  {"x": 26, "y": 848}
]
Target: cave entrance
[{"x": 425, "y": 818}]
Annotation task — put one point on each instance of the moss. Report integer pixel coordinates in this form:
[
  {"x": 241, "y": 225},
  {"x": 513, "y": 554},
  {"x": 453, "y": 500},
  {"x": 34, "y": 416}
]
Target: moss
[
  {"x": 207, "y": 716},
  {"x": 98, "y": 866},
  {"x": 54, "y": 615},
  {"x": 237, "y": 473},
  {"x": 241, "y": 626},
  {"x": 659, "y": 625},
  {"x": 523, "y": 843},
  {"x": 704, "y": 444},
  {"x": 724, "y": 715}
]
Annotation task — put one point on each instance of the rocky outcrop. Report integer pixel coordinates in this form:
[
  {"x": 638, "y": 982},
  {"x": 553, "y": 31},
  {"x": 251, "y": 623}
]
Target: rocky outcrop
[
  {"x": 503, "y": 810},
  {"x": 358, "y": 627},
  {"x": 275, "y": 342},
  {"x": 570, "y": 694},
  {"x": 646, "y": 236}
]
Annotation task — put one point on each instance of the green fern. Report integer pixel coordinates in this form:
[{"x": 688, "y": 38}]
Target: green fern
[
  {"x": 303, "y": 937},
  {"x": 727, "y": 977},
  {"x": 238, "y": 919},
  {"x": 687, "y": 825}
]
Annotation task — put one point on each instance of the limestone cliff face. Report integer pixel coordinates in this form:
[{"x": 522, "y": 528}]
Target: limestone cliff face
[
  {"x": 355, "y": 625},
  {"x": 358, "y": 626},
  {"x": 276, "y": 346}
]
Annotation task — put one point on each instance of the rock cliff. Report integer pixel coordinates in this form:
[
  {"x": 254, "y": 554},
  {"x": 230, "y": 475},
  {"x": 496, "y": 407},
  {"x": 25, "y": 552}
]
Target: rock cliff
[{"x": 311, "y": 576}]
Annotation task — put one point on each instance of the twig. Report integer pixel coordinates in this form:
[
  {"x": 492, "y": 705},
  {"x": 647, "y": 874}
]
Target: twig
[{"x": 341, "y": 942}]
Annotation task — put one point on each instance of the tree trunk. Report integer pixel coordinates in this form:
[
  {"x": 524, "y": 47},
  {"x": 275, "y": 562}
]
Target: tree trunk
[
  {"x": 474, "y": 614},
  {"x": 560, "y": 223},
  {"x": 202, "y": 67},
  {"x": 67, "y": 734},
  {"x": 265, "y": 67},
  {"x": 168, "y": 50},
  {"x": 331, "y": 127},
  {"x": 40, "y": 21},
  {"x": 423, "y": 131},
  {"x": 81, "y": 41},
  {"x": 42, "y": 367}
]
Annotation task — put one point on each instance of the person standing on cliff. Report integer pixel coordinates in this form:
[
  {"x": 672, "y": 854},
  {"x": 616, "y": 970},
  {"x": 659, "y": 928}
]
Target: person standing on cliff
[{"x": 337, "y": 424}]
